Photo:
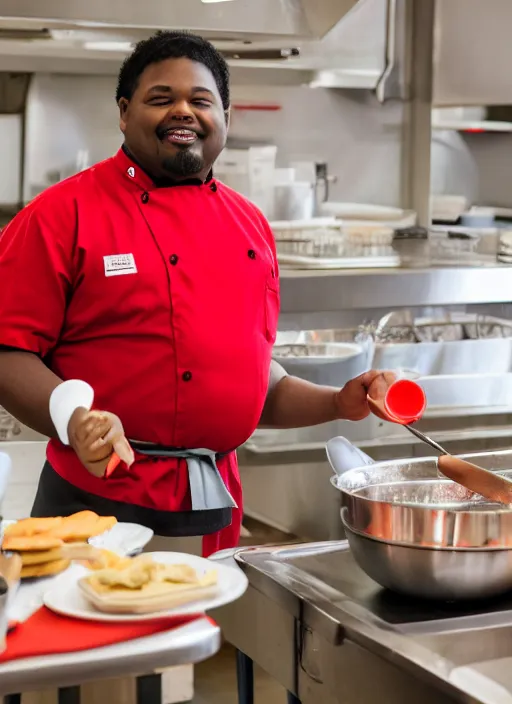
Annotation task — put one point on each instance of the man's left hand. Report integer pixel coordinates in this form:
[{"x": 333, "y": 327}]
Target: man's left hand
[{"x": 352, "y": 400}]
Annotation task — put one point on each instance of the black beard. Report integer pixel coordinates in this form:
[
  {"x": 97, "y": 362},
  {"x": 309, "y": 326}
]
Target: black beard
[{"x": 184, "y": 165}]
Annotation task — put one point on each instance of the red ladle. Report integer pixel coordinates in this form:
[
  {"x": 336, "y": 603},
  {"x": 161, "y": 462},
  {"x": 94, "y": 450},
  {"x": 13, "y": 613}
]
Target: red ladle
[{"x": 405, "y": 403}]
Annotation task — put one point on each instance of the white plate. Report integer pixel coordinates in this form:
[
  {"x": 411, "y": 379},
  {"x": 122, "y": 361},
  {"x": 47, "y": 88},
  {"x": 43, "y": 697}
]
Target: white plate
[
  {"x": 361, "y": 211},
  {"x": 65, "y": 597},
  {"x": 123, "y": 538}
]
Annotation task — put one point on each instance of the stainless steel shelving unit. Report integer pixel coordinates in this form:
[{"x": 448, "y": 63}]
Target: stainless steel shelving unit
[
  {"x": 314, "y": 300},
  {"x": 362, "y": 289}
]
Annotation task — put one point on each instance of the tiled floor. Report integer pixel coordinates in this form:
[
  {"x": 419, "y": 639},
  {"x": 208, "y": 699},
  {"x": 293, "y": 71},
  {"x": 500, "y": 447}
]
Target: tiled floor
[{"x": 215, "y": 682}]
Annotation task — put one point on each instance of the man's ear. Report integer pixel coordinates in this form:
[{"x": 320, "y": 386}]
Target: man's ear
[
  {"x": 123, "y": 109},
  {"x": 227, "y": 116}
]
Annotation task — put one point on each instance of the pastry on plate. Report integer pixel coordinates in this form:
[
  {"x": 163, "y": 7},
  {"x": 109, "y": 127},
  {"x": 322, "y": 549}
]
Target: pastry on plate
[
  {"x": 31, "y": 526},
  {"x": 145, "y": 586},
  {"x": 82, "y": 526},
  {"x": 104, "y": 559},
  {"x": 47, "y": 545},
  {"x": 47, "y": 569},
  {"x": 42, "y": 541}
]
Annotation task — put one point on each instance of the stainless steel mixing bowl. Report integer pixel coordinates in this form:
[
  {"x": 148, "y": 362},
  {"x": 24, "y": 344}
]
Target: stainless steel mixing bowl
[
  {"x": 433, "y": 573},
  {"x": 423, "y": 535}
]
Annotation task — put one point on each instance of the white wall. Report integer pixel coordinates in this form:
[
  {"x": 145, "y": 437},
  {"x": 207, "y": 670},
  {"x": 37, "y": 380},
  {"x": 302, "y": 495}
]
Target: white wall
[
  {"x": 10, "y": 159},
  {"x": 66, "y": 114},
  {"x": 27, "y": 462},
  {"x": 359, "y": 138},
  {"x": 493, "y": 157}
]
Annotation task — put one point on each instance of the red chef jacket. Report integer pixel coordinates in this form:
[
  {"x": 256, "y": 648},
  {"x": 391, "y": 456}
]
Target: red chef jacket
[{"x": 165, "y": 300}]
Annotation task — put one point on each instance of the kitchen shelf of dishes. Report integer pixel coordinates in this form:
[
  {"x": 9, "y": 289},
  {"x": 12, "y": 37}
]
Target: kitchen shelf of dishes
[{"x": 365, "y": 236}]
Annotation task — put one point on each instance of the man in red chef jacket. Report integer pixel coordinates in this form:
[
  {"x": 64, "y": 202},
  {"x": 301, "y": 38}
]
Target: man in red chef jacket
[{"x": 156, "y": 288}]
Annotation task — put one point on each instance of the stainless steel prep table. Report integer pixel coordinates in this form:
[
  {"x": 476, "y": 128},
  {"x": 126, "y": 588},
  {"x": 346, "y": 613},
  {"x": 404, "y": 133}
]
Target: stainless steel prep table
[
  {"x": 188, "y": 644},
  {"x": 328, "y": 633},
  {"x": 65, "y": 672}
]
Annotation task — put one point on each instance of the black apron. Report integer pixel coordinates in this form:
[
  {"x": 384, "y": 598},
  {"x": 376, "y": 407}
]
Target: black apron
[{"x": 57, "y": 497}]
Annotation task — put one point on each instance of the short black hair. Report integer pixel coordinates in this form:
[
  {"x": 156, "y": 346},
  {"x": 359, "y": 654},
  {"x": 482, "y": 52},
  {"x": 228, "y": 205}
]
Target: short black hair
[{"x": 172, "y": 45}]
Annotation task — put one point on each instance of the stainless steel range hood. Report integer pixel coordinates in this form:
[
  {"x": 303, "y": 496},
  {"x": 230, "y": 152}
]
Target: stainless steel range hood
[
  {"x": 255, "y": 21},
  {"x": 323, "y": 43}
]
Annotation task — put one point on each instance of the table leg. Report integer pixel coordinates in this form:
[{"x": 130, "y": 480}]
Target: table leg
[
  {"x": 69, "y": 695},
  {"x": 12, "y": 699},
  {"x": 245, "y": 678},
  {"x": 149, "y": 689},
  {"x": 292, "y": 699}
]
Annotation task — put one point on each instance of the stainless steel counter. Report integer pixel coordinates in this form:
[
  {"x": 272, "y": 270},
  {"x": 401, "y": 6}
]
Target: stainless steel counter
[
  {"x": 312, "y": 291},
  {"x": 328, "y": 633}
]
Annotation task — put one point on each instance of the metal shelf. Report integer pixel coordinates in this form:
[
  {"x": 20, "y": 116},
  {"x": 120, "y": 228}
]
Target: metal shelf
[{"x": 311, "y": 291}]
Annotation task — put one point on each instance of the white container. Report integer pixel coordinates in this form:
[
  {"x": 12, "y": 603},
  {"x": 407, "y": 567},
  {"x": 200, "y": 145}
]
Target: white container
[
  {"x": 478, "y": 217},
  {"x": 493, "y": 356},
  {"x": 448, "y": 208},
  {"x": 294, "y": 201},
  {"x": 284, "y": 176},
  {"x": 251, "y": 173},
  {"x": 484, "y": 391}
]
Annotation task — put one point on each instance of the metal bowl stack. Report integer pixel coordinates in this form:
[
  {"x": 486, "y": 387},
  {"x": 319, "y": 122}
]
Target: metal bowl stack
[
  {"x": 328, "y": 364},
  {"x": 420, "y": 534}
]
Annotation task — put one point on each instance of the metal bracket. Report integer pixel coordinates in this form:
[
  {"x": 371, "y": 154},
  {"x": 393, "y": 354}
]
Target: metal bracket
[
  {"x": 393, "y": 84},
  {"x": 308, "y": 654}
]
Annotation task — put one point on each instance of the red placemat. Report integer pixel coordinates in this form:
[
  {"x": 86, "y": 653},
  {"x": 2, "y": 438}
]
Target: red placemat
[{"x": 47, "y": 633}]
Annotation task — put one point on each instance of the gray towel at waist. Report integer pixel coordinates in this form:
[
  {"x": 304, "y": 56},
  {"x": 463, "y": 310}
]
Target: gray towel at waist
[{"x": 207, "y": 488}]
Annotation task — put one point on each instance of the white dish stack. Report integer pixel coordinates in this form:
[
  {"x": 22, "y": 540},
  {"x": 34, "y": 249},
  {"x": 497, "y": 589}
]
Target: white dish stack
[
  {"x": 505, "y": 247},
  {"x": 327, "y": 243},
  {"x": 368, "y": 239}
]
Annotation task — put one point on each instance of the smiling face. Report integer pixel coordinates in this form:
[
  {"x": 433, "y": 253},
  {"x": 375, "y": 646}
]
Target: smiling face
[{"x": 175, "y": 124}]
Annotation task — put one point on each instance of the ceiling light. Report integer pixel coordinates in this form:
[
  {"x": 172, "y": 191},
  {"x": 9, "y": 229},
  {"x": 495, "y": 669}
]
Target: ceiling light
[{"x": 208, "y": 1}]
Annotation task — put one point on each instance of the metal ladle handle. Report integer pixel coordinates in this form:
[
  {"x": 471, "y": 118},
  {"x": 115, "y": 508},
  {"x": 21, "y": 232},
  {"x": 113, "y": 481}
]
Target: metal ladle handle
[{"x": 427, "y": 440}]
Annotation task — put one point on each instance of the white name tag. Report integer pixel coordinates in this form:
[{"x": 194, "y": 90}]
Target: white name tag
[{"x": 119, "y": 264}]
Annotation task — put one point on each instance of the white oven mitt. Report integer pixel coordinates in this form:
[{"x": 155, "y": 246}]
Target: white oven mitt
[
  {"x": 73, "y": 394},
  {"x": 64, "y": 401}
]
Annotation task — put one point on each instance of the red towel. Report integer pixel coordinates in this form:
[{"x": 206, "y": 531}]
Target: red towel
[{"x": 47, "y": 633}]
